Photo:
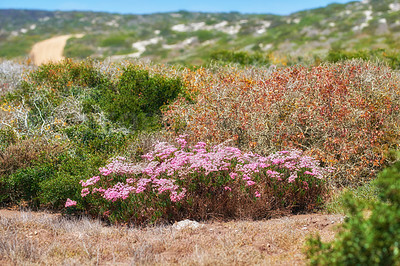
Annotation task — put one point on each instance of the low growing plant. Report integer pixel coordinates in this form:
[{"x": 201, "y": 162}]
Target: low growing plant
[
  {"x": 366, "y": 238},
  {"x": 176, "y": 182}
]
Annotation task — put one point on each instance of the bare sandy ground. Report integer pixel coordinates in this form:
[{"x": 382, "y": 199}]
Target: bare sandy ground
[
  {"x": 36, "y": 238},
  {"x": 50, "y": 50}
]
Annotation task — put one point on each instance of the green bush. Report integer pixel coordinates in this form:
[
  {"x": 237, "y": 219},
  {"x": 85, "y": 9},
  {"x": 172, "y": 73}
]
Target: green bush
[
  {"x": 137, "y": 100},
  {"x": 56, "y": 96},
  {"x": 65, "y": 183},
  {"x": 340, "y": 55},
  {"x": 366, "y": 238},
  {"x": 367, "y": 193},
  {"x": 63, "y": 77},
  {"x": 24, "y": 184},
  {"x": 390, "y": 58},
  {"x": 43, "y": 174},
  {"x": 240, "y": 57},
  {"x": 115, "y": 41},
  {"x": 7, "y": 137},
  {"x": 93, "y": 138}
]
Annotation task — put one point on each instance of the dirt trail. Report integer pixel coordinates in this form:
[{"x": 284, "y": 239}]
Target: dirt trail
[{"x": 50, "y": 50}]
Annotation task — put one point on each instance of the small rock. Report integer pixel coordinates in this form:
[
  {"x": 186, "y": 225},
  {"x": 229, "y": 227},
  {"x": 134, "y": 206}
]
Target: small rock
[{"x": 187, "y": 224}]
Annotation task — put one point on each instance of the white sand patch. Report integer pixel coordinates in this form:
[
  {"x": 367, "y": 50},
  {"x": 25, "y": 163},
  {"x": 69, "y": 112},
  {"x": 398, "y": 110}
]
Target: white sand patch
[
  {"x": 296, "y": 20},
  {"x": 181, "y": 45},
  {"x": 222, "y": 26},
  {"x": 265, "y": 47},
  {"x": 50, "y": 50},
  {"x": 261, "y": 30},
  {"x": 191, "y": 27},
  {"x": 234, "y": 29},
  {"x": 382, "y": 21},
  {"x": 112, "y": 23},
  {"x": 179, "y": 28},
  {"x": 368, "y": 17},
  {"x": 265, "y": 25},
  {"x": 141, "y": 46},
  {"x": 176, "y": 15},
  {"x": 208, "y": 42},
  {"x": 44, "y": 19},
  {"x": 394, "y": 7}
]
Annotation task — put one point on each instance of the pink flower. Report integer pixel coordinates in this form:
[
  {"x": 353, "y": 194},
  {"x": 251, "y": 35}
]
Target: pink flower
[
  {"x": 129, "y": 180},
  {"x": 70, "y": 203},
  {"x": 90, "y": 181},
  {"x": 292, "y": 177},
  {"x": 250, "y": 183},
  {"x": 246, "y": 177},
  {"x": 233, "y": 175},
  {"x": 100, "y": 189},
  {"x": 228, "y": 188},
  {"x": 85, "y": 192},
  {"x": 257, "y": 194},
  {"x": 182, "y": 141},
  {"x": 200, "y": 145}
]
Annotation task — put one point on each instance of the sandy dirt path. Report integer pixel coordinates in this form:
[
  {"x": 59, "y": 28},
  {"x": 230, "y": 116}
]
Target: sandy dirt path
[{"x": 50, "y": 50}]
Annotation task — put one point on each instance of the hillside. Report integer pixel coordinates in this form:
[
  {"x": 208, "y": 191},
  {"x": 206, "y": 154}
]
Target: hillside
[{"x": 187, "y": 37}]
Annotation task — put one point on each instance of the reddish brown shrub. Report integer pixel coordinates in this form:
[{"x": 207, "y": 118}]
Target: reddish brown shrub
[
  {"x": 24, "y": 153},
  {"x": 345, "y": 114}
]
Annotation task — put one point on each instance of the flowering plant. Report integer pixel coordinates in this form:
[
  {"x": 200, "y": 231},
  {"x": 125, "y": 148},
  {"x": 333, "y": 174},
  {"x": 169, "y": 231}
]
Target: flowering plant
[{"x": 181, "y": 181}]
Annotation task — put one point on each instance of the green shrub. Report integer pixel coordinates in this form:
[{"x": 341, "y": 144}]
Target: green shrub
[
  {"x": 77, "y": 51},
  {"x": 63, "y": 77},
  {"x": 390, "y": 58},
  {"x": 40, "y": 173},
  {"x": 240, "y": 57},
  {"x": 55, "y": 96},
  {"x": 115, "y": 41},
  {"x": 366, "y": 239},
  {"x": 340, "y": 55},
  {"x": 7, "y": 137},
  {"x": 138, "y": 98},
  {"x": 24, "y": 183},
  {"x": 93, "y": 138},
  {"x": 367, "y": 193}
]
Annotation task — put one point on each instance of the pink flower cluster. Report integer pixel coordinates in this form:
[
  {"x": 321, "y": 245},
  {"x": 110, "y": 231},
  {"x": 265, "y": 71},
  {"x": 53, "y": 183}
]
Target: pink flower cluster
[
  {"x": 70, "y": 203},
  {"x": 166, "y": 164}
]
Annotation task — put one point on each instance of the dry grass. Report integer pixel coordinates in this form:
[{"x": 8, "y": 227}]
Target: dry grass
[{"x": 40, "y": 238}]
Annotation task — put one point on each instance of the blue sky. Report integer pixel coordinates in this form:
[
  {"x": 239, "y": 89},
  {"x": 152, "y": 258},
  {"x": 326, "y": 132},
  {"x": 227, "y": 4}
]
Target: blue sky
[{"x": 282, "y": 7}]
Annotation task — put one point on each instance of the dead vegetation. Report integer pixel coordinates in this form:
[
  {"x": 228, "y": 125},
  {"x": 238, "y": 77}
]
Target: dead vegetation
[{"x": 41, "y": 238}]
